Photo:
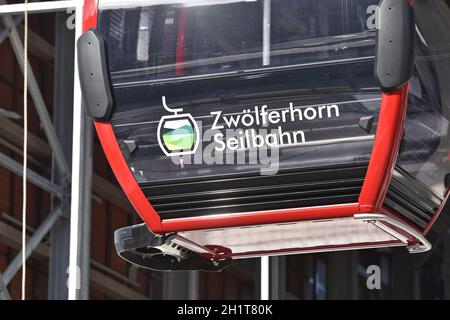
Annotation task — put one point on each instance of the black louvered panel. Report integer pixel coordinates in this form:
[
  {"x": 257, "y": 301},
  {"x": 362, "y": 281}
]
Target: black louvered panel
[
  {"x": 409, "y": 197},
  {"x": 234, "y": 194}
]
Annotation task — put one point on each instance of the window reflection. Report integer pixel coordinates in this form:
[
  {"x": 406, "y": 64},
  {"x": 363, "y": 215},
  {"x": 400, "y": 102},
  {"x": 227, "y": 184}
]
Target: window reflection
[{"x": 176, "y": 40}]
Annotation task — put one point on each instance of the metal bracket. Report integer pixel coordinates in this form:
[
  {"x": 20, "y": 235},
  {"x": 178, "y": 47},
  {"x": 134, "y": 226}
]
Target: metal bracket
[
  {"x": 138, "y": 245},
  {"x": 423, "y": 245}
]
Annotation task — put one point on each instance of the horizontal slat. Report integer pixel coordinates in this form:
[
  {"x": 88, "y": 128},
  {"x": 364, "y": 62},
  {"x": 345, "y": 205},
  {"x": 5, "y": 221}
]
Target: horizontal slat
[
  {"x": 412, "y": 199},
  {"x": 259, "y": 198},
  {"x": 251, "y": 207},
  {"x": 257, "y": 191},
  {"x": 250, "y": 180},
  {"x": 226, "y": 194}
]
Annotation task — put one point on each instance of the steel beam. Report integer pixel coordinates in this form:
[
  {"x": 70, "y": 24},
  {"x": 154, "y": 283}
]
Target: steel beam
[
  {"x": 38, "y": 7},
  {"x": 11, "y": 236},
  {"x": 32, "y": 244},
  {"x": 62, "y": 119},
  {"x": 36, "y": 95},
  {"x": 84, "y": 207},
  {"x": 4, "y": 294},
  {"x": 194, "y": 285},
  {"x": 38, "y": 46},
  {"x": 176, "y": 285},
  {"x": 5, "y": 33},
  {"x": 39, "y": 149},
  {"x": 32, "y": 176},
  {"x": 102, "y": 282},
  {"x": 276, "y": 269},
  {"x": 80, "y": 210}
]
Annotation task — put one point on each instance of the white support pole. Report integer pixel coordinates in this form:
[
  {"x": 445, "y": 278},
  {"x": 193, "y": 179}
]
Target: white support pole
[
  {"x": 265, "y": 278},
  {"x": 77, "y": 188},
  {"x": 38, "y": 7}
]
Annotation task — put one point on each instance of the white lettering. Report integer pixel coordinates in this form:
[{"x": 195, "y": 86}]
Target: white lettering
[
  {"x": 216, "y": 120},
  {"x": 218, "y": 138}
]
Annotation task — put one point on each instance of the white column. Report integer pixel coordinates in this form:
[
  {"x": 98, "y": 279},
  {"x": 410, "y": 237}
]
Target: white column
[
  {"x": 79, "y": 120},
  {"x": 265, "y": 278},
  {"x": 266, "y": 33}
]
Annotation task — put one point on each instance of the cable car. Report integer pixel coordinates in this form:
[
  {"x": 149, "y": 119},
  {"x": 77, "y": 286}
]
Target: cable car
[{"x": 246, "y": 128}]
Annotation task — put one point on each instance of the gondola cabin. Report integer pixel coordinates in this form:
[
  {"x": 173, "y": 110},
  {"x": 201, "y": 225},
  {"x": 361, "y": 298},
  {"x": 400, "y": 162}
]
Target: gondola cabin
[{"x": 269, "y": 127}]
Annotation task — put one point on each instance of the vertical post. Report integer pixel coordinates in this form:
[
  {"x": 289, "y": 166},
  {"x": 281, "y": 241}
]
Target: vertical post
[
  {"x": 81, "y": 186},
  {"x": 265, "y": 273},
  {"x": 193, "y": 285},
  {"x": 265, "y": 278},
  {"x": 276, "y": 269},
  {"x": 176, "y": 285},
  {"x": 62, "y": 119},
  {"x": 446, "y": 262},
  {"x": 401, "y": 275},
  {"x": 341, "y": 280},
  {"x": 353, "y": 271},
  {"x": 266, "y": 33},
  {"x": 85, "y": 207}
]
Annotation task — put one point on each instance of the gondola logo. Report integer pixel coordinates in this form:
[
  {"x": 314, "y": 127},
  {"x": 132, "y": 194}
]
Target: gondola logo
[{"x": 178, "y": 133}]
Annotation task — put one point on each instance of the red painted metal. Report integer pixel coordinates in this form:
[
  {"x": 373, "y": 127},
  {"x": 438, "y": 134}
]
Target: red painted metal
[
  {"x": 385, "y": 150},
  {"x": 125, "y": 177},
  {"x": 90, "y": 12}
]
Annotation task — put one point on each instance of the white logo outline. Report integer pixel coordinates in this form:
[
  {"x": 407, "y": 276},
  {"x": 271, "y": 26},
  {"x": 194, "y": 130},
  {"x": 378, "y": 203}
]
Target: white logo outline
[{"x": 176, "y": 115}]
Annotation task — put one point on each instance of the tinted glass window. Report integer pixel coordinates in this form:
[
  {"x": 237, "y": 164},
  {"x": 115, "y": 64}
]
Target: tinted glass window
[
  {"x": 427, "y": 142},
  {"x": 181, "y": 39},
  {"x": 296, "y": 74}
]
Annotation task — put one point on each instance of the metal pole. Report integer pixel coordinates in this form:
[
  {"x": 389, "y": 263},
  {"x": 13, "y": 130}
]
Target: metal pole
[
  {"x": 275, "y": 279},
  {"x": 266, "y": 33},
  {"x": 85, "y": 205},
  {"x": 265, "y": 277},
  {"x": 193, "y": 285},
  {"x": 32, "y": 243},
  {"x": 5, "y": 33},
  {"x": 4, "y": 294},
  {"x": 62, "y": 119},
  {"x": 32, "y": 176},
  {"x": 37, "y": 7},
  {"x": 38, "y": 100},
  {"x": 176, "y": 285},
  {"x": 81, "y": 175}
]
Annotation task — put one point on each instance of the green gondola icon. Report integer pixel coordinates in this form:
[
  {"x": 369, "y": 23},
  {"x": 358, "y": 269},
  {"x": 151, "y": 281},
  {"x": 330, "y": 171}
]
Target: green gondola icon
[{"x": 178, "y": 134}]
